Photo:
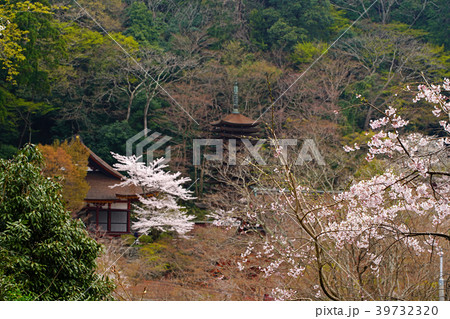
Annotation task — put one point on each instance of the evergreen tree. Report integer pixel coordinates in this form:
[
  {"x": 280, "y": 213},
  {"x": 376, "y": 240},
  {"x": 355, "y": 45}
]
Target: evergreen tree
[{"x": 42, "y": 249}]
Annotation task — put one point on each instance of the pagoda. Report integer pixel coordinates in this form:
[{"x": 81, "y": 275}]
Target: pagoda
[{"x": 235, "y": 125}]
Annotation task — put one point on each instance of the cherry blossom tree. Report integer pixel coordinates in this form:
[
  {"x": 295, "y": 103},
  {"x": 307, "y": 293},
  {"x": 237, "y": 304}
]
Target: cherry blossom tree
[
  {"x": 378, "y": 239},
  {"x": 161, "y": 189}
]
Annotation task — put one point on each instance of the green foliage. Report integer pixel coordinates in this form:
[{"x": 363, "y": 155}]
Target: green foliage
[
  {"x": 430, "y": 16},
  {"x": 282, "y": 24},
  {"x": 83, "y": 84},
  {"x": 110, "y": 138},
  {"x": 13, "y": 34},
  {"x": 157, "y": 264},
  {"x": 128, "y": 239},
  {"x": 437, "y": 21},
  {"x": 233, "y": 53},
  {"x": 11, "y": 291},
  {"x": 261, "y": 21},
  {"x": 46, "y": 252},
  {"x": 24, "y": 96},
  {"x": 154, "y": 235},
  {"x": 7, "y": 151},
  {"x": 108, "y": 13},
  {"x": 306, "y": 52},
  {"x": 367, "y": 170},
  {"x": 199, "y": 213},
  {"x": 43, "y": 50},
  {"x": 353, "y": 109},
  {"x": 73, "y": 79},
  {"x": 144, "y": 25},
  {"x": 340, "y": 22},
  {"x": 145, "y": 239},
  {"x": 12, "y": 112},
  {"x": 390, "y": 55},
  {"x": 150, "y": 250}
]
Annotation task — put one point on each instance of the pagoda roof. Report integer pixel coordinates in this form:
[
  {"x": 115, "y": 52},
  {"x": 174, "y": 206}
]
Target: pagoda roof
[{"x": 235, "y": 119}]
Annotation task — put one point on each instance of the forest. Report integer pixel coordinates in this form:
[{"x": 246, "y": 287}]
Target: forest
[
  {"x": 321, "y": 70},
  {"x": 66, "y": 76}
]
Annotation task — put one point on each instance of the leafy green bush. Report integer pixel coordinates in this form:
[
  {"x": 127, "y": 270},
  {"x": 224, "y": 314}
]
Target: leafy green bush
[
  {"x": 128, "y": 239},
  {"x": 145, "y": 239},
  {"x": 42, "y": 249},
  {"x": 306, "y": 52},
  {"x": 11, "y": 291}
]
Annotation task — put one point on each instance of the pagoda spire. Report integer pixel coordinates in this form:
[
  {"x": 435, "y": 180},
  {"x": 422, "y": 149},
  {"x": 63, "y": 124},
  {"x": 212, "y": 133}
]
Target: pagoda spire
[{"x": 235, "y": 98}]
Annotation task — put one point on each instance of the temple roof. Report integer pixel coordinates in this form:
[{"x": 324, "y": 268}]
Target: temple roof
[
  {"x": 96, "y": 163},
  {"x": 101, "y": 176},
  {"x": 100, "y": 188}
]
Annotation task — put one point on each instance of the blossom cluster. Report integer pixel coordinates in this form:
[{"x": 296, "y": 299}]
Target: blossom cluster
[
  {"x": 280, "y": 294},
  {"x": 158, "y": 207},
  {"x": 377, "y": 208},
  {"x": 433, "y": 94},
  {"x": 354, "y": 232}
]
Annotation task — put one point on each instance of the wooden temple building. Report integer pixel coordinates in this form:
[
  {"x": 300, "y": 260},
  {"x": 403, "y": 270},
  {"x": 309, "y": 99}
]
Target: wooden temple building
[
  {"x": 235, "y": 125},
  {"x": 107, "y": 210}
]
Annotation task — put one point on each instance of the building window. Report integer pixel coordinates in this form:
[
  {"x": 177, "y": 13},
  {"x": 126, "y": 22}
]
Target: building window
[
  {"x": 104, "y": 218},
  {"x": 119, "y": 221}
]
